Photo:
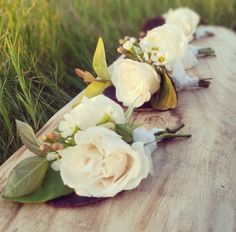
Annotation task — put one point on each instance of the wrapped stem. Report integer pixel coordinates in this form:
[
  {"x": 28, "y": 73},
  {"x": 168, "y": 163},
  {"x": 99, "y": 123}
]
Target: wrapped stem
[
  {"x": 170, "y": 134},
  {"x": 204, "y": 82},
  {"x": 203, "y": 52}
]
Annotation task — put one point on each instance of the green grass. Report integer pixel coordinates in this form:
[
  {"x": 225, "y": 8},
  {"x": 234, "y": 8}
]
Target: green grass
[{"x": 41, "y": 42}]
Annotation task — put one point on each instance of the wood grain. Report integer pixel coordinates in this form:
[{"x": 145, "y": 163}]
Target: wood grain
[{"x": 194, "y": 183}]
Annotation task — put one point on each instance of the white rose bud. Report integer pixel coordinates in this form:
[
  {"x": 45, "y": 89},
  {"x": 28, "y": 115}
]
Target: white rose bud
[
  {"x": 102, "y": 164},
  {"x": 185, "y": 18},
  {"x": 166, "y": 44},
  {"x": 91, "y": 112},
  {"x": 135, "y": 82}
]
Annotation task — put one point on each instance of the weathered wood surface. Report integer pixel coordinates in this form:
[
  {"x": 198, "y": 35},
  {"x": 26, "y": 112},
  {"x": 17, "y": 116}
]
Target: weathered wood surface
[{"x": 194, "y": 183}]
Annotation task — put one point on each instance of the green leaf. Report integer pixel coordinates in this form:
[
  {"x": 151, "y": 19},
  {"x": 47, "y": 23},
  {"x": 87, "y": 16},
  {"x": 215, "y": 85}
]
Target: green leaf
[
  {"x": 28, "y": 137},
  {"x": 126, "y": 131},
  {"x": 26, "y": 177},
  {"x": 166, "y": 99},
  {"x": 51, "y": 188},
  {"x": 99, "y": 61},
  {"x": 93, "y": 89},
  {"x": 106, "y": 118}
]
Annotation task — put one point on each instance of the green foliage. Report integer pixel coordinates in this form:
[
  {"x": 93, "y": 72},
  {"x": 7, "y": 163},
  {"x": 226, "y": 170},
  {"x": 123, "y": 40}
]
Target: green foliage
[
  {"x": 43, "y": 41},
  {"x": 26, "y": 177},
  {"x": 51, "y": 188},
  {"x": 28, "y": 137},
  {"x": 99, "y": 61},
  {"x": 167, "y": 97},
  {"x": 126, "y": 131},
  {"x": 93, "y": 89}
]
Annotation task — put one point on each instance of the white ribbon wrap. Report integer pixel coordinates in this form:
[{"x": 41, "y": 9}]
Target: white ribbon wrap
[
  {"x": 141, "y": 134},
  {"x": 202, "y": 32},
  {"x": 181, "y": 79},
  {"x": 190, "y": 60}
]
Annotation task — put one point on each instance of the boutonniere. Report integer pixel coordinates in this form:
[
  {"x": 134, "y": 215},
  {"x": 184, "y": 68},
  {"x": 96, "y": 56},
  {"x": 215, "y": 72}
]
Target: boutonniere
[
  {"x": 152, "y": 70},
  {"x": 188, "y": 21},
  {"x": 185, "y": 18},
  {"x": 95, "y": 152},
  {"x": 148, "y": 73}
]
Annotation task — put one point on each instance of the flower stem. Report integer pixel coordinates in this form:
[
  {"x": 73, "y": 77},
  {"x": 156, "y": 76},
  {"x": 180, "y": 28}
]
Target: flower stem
[
  {"x": 170, "y": 134},
  {"x": 204, "y": 82},
  {"x": 203, "y": 52},
  {"x": 176, "y": 129},
  {"x": 167, "y": 136}
]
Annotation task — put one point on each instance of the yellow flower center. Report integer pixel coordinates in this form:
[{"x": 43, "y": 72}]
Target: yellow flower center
[{"x": 161, "y": 59}]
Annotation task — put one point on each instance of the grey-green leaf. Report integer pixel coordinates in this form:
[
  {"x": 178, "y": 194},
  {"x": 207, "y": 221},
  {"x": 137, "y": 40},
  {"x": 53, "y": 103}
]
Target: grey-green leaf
[
  {"x": 26, "y": 177},
  {"x": 51, "y": 188},
  {"x": 99, "y": 61},
  {"x": 28, "y": 137}
]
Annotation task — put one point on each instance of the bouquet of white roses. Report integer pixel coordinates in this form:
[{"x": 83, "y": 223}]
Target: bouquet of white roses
[{"x": 95, "y": 152}]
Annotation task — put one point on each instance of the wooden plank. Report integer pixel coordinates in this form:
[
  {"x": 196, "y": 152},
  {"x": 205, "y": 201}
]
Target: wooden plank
[{"x": 194, "y": 183}]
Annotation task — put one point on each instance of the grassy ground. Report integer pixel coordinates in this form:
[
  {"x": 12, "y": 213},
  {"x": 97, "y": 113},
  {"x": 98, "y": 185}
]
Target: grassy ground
[{"x": 43, "y": 41}]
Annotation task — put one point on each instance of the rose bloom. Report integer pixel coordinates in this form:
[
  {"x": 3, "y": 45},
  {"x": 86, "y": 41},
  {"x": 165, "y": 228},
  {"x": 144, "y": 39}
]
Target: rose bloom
[
  {"x": 135, "y": 82},
  {"x": 164, "y": 44},
  {"x": 91, "y": 112},
  {"x": 185, "y": 18},
  {"x": 101, "y": 164}
]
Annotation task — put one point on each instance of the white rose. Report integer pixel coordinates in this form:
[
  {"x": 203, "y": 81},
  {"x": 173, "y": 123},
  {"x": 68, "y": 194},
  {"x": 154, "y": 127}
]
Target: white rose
[
  {"x": 164, "y": 44},
  {"x": 91, "y": 112},
  {"x": 102, "y": 164},
  {"x": 135, "y": 82},
  {"x": 185, "y": 18}
]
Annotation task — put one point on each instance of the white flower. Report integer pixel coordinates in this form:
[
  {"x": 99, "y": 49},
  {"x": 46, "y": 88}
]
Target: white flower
[
  {"x": 51, "y": 156},
  {"x": 91, "y": 112},
  {"x": 129, "y": 44},
  {"x": 165, "y": 44},
  {"x": 185, "y": 18},
  {"x": 56, "y": 164},
  {"x": 135, "y": 82},
  {"x": 102, "y": 164},
  {"x": 67, "y": 126}
]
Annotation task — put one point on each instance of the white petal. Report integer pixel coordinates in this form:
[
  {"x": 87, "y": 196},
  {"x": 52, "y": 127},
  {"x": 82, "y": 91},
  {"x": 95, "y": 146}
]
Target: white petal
[
  {"x": 56, "y": 165},
  {"x": 134, "y": 81},
  {"x": 52, "y": 156}
]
